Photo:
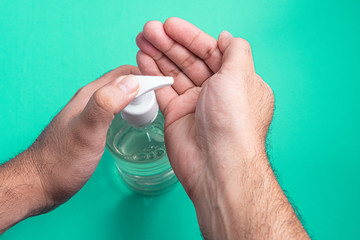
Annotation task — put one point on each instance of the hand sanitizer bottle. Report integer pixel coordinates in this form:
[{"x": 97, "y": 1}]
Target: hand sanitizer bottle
[{"x": 136, "y": 141}]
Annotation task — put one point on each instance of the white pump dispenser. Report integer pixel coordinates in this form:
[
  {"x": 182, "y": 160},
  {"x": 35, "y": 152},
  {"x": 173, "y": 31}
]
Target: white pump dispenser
[
  {"x": 143, "y": 110},
  {"x": 136, "y": 141}
]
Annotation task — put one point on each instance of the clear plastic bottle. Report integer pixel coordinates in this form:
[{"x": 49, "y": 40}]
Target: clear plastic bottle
[{"x": 140, "y": 155}]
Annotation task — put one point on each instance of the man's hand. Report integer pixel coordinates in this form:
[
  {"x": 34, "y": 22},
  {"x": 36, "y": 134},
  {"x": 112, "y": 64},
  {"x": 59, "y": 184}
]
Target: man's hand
[
  {"x": 217, "y": 115},
  {"x": 67, "y": 152}
]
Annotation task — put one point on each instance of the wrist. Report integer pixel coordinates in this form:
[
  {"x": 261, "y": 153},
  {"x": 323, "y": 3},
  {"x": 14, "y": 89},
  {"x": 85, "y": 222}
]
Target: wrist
[
  {"x": 41, "y": 203},
  {"x": 21, "y": 193},
  {"x": 246, "y": 203},
  {"x": 222, "y": 202}
]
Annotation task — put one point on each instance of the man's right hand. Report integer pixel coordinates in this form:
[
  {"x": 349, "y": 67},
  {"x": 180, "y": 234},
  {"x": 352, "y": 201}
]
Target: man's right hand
[{"x": 217, "y": 115}]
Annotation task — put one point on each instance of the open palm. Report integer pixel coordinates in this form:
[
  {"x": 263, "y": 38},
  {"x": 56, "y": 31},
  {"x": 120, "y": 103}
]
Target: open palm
[{"x": 179, "y": 49}]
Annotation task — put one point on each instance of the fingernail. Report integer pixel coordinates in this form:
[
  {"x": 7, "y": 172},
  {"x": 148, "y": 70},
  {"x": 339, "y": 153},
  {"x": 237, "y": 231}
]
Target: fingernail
[{"x": 128, "y": 84}]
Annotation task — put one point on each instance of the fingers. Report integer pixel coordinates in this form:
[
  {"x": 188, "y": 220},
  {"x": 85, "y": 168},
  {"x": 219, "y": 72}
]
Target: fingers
[
  {"x": 191, "y": 65},
  {"x": 148, "y": 66},
  {"x": 106, "y": 102},
  {"x": 182, "y": 83},
  {"x": 147, "y": 47},
  {"x": 237, "y": 55},
  {"x": 112, "y": 75},
  {"x": 82, "y": 96},
  {"x": 198, "y": 42}
]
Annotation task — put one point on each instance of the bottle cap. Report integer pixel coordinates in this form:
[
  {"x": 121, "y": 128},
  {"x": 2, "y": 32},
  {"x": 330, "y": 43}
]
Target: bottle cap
[{"x": 143, "y": 109}]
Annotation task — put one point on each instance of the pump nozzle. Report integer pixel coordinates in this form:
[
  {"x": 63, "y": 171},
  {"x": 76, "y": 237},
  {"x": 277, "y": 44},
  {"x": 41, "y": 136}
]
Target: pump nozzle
[
  {"x": 150, "y": 83},
  {"x": 143, "y": 110}
]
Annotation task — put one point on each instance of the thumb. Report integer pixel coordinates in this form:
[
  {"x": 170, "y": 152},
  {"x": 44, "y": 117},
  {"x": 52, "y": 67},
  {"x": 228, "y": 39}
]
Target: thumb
[
  {"x": 108, "y": 101},
  {"x": 224, "y": 40},
  {"x": 237, "y": 54}
]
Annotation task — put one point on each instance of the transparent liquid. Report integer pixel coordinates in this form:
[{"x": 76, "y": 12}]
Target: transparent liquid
[
  {"x": 140, "y": 156},
  {"x": 140, "y": 144}
]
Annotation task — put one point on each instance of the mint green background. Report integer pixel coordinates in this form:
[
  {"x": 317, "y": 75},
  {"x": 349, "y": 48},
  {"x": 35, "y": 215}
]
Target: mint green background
[{"x": 308, "y": 51}]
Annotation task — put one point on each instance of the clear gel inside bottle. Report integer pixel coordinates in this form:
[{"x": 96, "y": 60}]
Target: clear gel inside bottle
[{"x": 140, "y": 155}]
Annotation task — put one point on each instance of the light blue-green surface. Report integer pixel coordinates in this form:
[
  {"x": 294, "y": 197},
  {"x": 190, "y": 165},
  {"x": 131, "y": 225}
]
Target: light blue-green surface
[{"x": 308, "y": 52}]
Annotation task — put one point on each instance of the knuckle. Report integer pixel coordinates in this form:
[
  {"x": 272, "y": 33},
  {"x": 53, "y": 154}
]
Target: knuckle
[
  {"x": 160, "y": 58},
  {"x": 78, "y": 92},
  {"x": 188, "y": 61},
  {"x": 269, "y": 94},
  {"x": 79, "y": 137},
  {"x": 209, "y": 52},
  {"x": 174, "y": 72},
  {"x": 242, "y": 43},
  {"x": 170, "y": 47},
  {"x": 102, "y": 100},
  {"x": 259, "y": 78}
]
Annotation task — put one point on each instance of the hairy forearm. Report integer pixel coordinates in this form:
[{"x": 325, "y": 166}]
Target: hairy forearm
[
  {"x": 247, "y": 203},
  {"x": 21, "y": 195}
]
